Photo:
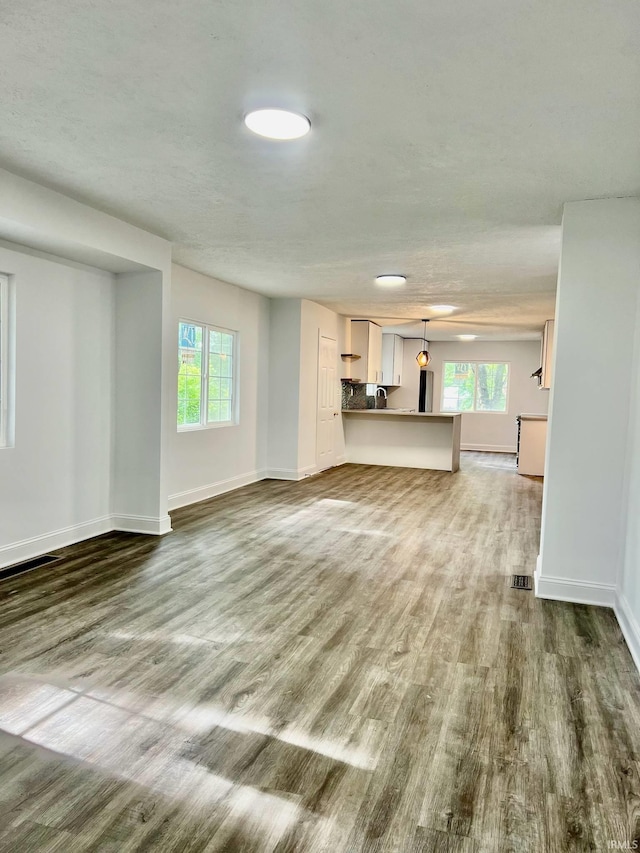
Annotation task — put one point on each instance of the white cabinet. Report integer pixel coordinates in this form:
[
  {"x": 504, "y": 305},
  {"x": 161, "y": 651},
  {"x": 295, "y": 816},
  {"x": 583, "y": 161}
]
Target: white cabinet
[
  {"x": 375, "y": 353},
  {"x": 547, "y": 355},
  {"x": 532, "y": 441},
  {"x": 366, "y": 341},
  {"x": 392, "y": 356}
]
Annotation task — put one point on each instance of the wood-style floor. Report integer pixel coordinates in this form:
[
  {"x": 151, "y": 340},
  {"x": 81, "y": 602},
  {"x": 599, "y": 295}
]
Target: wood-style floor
[{"x": 332, "y": 665}]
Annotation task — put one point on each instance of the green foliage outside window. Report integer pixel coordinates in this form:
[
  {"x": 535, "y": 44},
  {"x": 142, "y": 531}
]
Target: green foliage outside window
[
  {"x": 492, "y": 387},
  {"x": 205, "y": 388},
  {"x": 475, "y": 386}
]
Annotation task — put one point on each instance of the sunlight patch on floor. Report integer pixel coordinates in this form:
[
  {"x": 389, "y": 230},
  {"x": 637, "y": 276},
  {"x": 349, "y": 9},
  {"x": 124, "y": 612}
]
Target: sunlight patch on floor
[
  {"x": 133, "y": 747},
  {"x": 340, "y": 516},
  {"x": 87, "y": 723},
  {"x": 163, "y": 637}
]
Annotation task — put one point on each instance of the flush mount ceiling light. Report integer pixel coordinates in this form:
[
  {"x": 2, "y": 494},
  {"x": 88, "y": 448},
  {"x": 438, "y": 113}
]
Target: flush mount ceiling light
[
  {"x": 277, "y": 124},
  {"x": 467, "y": 337},
  {"x": 423, "y": 358},
  {"x": 443, "y": 309},
  {"x": 391, "y": 280}
]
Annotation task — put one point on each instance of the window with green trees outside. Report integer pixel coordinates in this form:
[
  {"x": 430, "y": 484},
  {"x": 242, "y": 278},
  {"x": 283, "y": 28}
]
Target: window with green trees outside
[
  {"x": 475, "y": 386},
  {"x": 206, "y": 376}
]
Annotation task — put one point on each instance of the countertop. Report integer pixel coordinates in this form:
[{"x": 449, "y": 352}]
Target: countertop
[
  {"x": 533, "y": 417},
  {"x": 402, "y": 414}
]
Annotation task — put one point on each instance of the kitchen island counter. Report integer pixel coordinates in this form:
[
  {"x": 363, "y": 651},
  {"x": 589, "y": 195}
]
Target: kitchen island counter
[{"x": 402, "y": 438}]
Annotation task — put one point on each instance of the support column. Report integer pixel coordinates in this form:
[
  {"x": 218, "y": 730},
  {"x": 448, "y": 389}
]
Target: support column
[{"x": 584, "y": 502}]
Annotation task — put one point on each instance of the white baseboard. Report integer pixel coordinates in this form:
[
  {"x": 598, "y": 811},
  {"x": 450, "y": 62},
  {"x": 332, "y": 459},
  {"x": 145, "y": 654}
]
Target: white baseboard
[
  {"x": 603, "y": 595},
  {"x": 142, "y": 524},
  {"x": 281, "y": 474},
  {"x": 490, "y": 448},
  {"x": 629, "y": 627},
  {"x": 26, "y": 549},
  {"x": 203, "y": 493},
  {"x": 576, "y": 592},
  {"x": 290, "y": 473}
]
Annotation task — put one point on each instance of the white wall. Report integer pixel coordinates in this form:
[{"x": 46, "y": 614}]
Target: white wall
[
  {"x": 44, "y": 219},
  {"x": 628, "y": 591},
  {"x": 47, "y": 221},
  {"x": 139, "y": 484},
  {"x": 284, "y": 388},
  {"x": 55, "y": 482},
  {"x": 208, "y": 462},
  {"x": 296, "y": 325},
  {"x": 480, "y": 431},
  {"x": 584, "y": 502}
]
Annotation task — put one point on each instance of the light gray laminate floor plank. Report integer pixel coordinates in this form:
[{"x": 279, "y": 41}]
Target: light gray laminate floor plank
[{"x": 333, "y": 665}]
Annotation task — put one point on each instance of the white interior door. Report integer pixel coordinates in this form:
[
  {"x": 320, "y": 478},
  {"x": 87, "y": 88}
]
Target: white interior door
[{"x": 327, "y": 403}]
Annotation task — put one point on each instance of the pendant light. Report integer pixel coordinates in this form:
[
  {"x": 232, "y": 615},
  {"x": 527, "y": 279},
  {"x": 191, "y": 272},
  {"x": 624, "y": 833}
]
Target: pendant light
[{"x": 423, "y": 358}]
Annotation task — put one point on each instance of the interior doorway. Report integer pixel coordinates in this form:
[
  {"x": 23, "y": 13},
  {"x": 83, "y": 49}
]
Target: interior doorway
[{"x": 327, "y": 403}]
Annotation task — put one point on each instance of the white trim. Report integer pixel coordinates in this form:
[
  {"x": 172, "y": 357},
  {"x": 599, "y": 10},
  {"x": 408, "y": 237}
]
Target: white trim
[
  {"x": 341, "y": 460},
  {"x": 205, "y": 423},
  {"x": 142, "y": 524},
  {"x": 490, "y": 448},
  {"x": 203, "y": 493},
  {"x": 629, "y": 627},
  {"x": 576, "y": 592},
  {"x": 291, "y": 473},
  {"x": 212, "y": 425},
  {"x": 26, "y": 549},
  {"x": 281, "y": 474}
]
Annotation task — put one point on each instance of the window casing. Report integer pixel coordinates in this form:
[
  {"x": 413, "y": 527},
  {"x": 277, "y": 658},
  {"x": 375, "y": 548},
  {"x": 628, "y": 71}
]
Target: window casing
[
  {"x": 207, "y": 376},
  {"x": 4, "y": 360},
  {"x": 475, "y": 386}
]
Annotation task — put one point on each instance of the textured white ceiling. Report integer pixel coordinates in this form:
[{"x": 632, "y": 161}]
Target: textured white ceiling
[{"x": 446, "y": 136}]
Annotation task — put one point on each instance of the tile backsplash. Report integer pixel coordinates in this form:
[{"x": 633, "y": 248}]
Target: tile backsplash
[{"x": 354, "y": 396}]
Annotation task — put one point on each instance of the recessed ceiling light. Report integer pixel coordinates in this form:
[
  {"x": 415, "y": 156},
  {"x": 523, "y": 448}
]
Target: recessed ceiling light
[
  {"x": 467, "y": 337},
  {"x": 277, "y": 124},
  {"x": 444, "y": 309},
  {"x": 391, "y": 280}
]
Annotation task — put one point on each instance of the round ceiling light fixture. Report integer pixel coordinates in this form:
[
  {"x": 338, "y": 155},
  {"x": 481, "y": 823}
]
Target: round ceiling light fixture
[
  {"x": 277, "y": 124},
  {"x": 443, "y": 309},
  {"x": 391, "y": 280},
  {"x": 467, "y": 337}
]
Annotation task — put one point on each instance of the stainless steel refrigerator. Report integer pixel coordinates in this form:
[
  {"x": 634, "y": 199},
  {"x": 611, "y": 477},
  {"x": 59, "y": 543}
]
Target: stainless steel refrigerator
[{"x": 425, "y": 395}]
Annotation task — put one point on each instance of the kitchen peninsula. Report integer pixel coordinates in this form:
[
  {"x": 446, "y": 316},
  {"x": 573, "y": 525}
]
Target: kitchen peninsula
[{"x": 402, "y": 439}]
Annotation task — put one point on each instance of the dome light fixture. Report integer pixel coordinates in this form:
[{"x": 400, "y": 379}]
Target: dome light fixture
[
  {"x": 391, "y": 280},
  {"x": 443, "y": 309},
  {"x": 423, "y": 358},
  {"x": 277, "y": 124}
]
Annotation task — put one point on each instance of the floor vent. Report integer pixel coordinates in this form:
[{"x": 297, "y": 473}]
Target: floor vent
[
  {"x": 27, "y": 566},
  {"x": 521, "y": 581}
]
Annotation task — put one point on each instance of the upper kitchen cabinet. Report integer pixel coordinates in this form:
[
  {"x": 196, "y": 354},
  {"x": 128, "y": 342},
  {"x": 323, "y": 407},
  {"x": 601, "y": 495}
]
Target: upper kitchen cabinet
[
  {"x": 366, "y": 341},
  {"x": 547, "y": 355},
  {"x": 392, "y": 356}
]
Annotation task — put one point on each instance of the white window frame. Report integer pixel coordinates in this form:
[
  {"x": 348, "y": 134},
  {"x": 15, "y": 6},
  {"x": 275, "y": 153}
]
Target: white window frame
[
  {"x": 5, "y": 331},
  {"x": 207, "y": 328},
  {"x": 475, "y": 411}
]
